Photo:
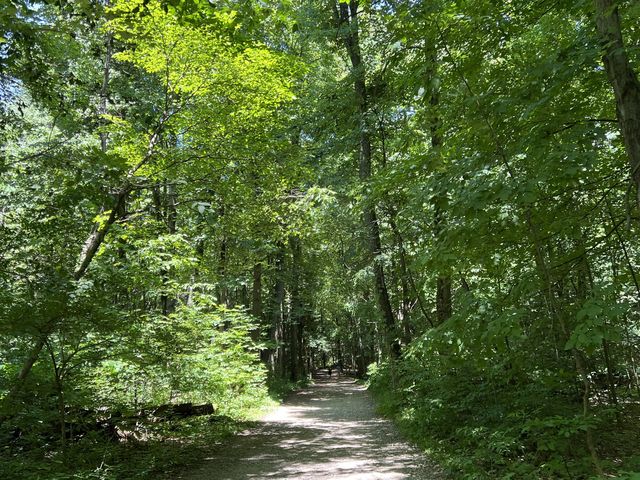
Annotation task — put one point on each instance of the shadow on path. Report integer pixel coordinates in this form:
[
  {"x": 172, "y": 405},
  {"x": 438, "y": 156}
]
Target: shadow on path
[{"x": 328, "y": 431}]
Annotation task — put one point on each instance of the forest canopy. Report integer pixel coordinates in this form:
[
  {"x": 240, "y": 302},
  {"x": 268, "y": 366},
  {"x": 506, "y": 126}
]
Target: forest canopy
[{"x": 203, "y": 202}]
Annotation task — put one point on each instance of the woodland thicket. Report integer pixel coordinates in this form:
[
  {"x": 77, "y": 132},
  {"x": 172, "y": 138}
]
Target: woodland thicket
[{"x": 202, "y": 202}]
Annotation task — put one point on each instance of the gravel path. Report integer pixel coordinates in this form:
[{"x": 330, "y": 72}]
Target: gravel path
[{"x": 328, "y": 431}]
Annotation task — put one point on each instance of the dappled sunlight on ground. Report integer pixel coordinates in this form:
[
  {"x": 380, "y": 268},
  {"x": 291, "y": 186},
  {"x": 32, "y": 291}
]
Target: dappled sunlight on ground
[{"x": 328, "y": 431}]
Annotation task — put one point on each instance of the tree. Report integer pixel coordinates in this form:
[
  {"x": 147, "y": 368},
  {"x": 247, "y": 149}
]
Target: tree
[{"x": 346, "y": 18}]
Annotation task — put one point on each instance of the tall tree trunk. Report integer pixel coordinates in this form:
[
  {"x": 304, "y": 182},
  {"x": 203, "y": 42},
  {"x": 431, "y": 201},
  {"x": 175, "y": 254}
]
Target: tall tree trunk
[
  {"x": 276, "y": 352},
  {"x": 624, "y": 81},
  {"x": 104, "y": 90},
  {"x": 296, "y": 317},
  {"x": 256, "y": 299},
  {"x": 404, "y": 280},
  {"x": 223, "y": 293},
  {"x": 443, "y": 284},
  {"x": 405, "y": 274},
  {"x": 346, "y": 16},
  {"x": 406, "y": 270},
  {"x": 359, "y": 348},
  {"x": 170, "y": 218}
]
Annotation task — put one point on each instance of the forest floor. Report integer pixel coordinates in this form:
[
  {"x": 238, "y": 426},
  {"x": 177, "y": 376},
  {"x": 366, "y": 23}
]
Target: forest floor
[{"x": 327, "y": 431}]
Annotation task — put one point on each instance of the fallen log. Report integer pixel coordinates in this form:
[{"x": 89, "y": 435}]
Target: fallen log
[
  {"x": 178, "y": 410},
  {"x": 117, "y": 426}
]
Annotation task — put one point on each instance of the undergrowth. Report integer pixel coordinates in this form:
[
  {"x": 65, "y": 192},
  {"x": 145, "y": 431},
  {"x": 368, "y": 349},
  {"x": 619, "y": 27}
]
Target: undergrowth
[
  {"x": 168, "y": 447},
  {"x": 480, "y": 425},
  {"x": 280, "y": 388}
]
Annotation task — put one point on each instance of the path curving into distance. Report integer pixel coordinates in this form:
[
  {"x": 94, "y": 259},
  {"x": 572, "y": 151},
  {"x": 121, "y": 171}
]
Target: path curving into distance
[{"x": 327, "y": 431}]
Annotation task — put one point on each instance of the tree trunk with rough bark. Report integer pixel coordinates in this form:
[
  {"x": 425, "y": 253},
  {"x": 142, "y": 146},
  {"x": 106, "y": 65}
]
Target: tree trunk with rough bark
[
  {"x": 443, "y": 285},
  {"x": 346, "y": 17},
  {"x": 624, "y": 81},
  {"x": 296, "y": 315}
]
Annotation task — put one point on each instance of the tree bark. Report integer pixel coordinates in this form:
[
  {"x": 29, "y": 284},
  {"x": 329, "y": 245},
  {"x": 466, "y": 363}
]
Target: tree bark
[
  {"x": 275, "y": 354},
  {"x": 624, "y": 81},
  {"x": 346, "y": 16},
  {"x": 443, "y": 299},
  {"x": 170, "y": 219},
  {"x": 256, "y": 294},
  {"x": 104, "y": 90},
  {"x": 443, "y": 285},
  {"x": 296, "y": 316}
]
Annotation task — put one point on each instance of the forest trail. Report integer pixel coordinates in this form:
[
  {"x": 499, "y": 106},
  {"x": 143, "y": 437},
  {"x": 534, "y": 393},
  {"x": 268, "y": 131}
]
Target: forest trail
[{"x": 327, "y": 431}]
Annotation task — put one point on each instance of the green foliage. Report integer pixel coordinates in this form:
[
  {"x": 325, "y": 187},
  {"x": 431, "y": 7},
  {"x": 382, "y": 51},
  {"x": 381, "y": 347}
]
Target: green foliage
[
  {"x": 182, "y": 189},
  {"x": 480, "y": 426},
  {"x": 93, "y": 459},
  {"x": 187, "y": 121}
]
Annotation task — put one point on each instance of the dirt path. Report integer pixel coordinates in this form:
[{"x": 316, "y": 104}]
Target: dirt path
[{"x": 328, "y": 431}]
